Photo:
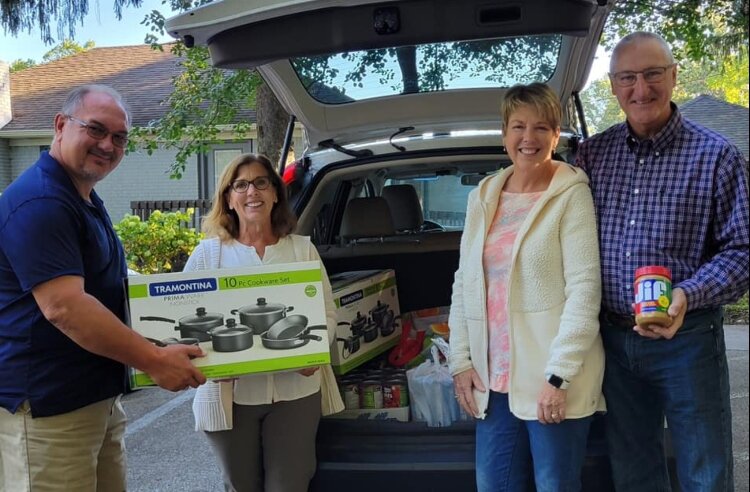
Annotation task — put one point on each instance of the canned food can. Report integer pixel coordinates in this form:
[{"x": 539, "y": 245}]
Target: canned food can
[
  {"x": 395, "y": 393},
  {"x": 371, "y": 394},
  {"x": 350, "y": 394}
]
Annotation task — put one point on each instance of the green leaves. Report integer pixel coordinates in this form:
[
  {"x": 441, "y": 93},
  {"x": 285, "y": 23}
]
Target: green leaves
[
  {"x": 160, "y": 244},
  {"x": 204, "y": 109},
  {"x": 696, "y": 29}
]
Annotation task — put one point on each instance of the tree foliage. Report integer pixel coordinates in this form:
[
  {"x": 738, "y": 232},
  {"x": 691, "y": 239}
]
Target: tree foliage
[
  {"x": 601, "y": 107},
  {"x": 67, "y": 47},
  {"x": 19, "y": 64},
  {"x": 26, "y": 15},
  {"x": 205, "y": 101},
  {"x": 696, "y": 29},
  {"x": 726, "y": 79}
]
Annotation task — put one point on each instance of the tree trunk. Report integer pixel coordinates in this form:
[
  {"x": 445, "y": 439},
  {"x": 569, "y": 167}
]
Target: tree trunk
[
  {"x": 272, "y": 122},
  {"x": 407, "y": 62}
]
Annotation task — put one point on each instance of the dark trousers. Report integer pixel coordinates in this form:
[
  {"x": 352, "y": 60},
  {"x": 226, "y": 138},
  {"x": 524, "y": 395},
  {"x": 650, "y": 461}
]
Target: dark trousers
[
  {"x": 684, "y": 379},
  {"x": 271, "y": 448}
]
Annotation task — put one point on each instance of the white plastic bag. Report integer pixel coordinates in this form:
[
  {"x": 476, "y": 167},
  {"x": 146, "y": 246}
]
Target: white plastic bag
[{"x": 431, "y": 391}]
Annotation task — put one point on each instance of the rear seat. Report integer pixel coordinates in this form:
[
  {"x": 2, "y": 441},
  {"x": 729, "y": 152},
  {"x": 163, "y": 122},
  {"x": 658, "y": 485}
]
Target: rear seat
[
  {"x": 424, "y": 262},
  {"x": 366, "y": 218},
  {"x": 405, "y": 207},
  {"x": 367, "y": 227}
]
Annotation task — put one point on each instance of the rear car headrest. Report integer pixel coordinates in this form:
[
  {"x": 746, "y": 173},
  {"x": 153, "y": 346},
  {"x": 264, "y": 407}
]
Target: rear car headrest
[
  {"x": 367, "y": 217},
  {"x": 405, "y": 207}
]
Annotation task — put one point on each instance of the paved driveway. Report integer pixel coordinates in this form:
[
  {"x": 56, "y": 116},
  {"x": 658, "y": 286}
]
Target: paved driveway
[{"x": 165, "y": 454}]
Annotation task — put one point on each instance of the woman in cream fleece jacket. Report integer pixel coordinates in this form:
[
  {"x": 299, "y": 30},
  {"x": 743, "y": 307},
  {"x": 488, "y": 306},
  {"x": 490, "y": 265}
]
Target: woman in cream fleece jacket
[{"x": 526, "y": 354}]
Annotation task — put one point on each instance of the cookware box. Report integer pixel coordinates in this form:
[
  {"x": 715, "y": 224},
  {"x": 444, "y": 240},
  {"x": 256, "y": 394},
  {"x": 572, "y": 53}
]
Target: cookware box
[
  {"x": 228, "y": 312},
  {"x": 368, "y": 316}
]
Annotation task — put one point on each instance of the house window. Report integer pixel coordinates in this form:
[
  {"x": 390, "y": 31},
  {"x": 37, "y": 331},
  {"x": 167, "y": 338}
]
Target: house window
[
  {"x": 212, "y": 163},
  {"x": 222, "y": 158}
]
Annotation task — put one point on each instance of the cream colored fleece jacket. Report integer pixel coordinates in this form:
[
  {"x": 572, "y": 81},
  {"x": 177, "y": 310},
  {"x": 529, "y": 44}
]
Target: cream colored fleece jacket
[{"x": 553, "y": 296}]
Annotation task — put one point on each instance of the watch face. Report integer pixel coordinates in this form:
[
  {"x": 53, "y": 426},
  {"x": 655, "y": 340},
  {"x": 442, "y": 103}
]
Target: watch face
[{"x": 555, "y": 381}]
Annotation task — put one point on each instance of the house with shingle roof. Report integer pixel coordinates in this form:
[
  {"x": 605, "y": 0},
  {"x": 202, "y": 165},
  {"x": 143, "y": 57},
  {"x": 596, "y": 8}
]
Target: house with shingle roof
[
  {"x": 730, "y": 120},
  {"x": 30, "y": 98}
]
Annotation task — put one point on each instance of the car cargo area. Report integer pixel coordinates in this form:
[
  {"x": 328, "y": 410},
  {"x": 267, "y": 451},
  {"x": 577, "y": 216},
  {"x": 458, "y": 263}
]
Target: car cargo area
[{"x": 378, "y": 455}]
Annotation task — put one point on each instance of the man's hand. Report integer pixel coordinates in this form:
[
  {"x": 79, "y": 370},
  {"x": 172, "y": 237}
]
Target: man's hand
[
  {"x": 86, "y": 321},
  {"x": 677, "y": 311},
  {"x": 172, "y": 369},
  {"x": 464, "y": 384}
]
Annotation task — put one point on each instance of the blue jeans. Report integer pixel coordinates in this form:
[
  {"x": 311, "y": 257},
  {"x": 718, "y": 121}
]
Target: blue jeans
[
  {"x": 685, "y": 380},
  {"x": 508, "y": 449}
]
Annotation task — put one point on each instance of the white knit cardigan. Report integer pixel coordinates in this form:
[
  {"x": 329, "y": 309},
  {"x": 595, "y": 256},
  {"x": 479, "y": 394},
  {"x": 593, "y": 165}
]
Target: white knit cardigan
[{"x": 554, "y": 290}]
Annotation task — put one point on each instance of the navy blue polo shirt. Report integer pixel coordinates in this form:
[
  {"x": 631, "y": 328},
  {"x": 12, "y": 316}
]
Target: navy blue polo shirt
[{"x": 47, "y": 230}]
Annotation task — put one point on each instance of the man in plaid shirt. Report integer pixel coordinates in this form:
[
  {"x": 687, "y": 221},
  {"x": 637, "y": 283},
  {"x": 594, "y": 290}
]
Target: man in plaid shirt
[{"x": 671, "y": 193}]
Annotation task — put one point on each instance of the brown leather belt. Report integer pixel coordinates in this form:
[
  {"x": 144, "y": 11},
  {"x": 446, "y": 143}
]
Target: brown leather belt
[{"x": 618, "y": 320}]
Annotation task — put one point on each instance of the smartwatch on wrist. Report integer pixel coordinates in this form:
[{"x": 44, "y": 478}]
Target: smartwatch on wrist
[{"x": 557, "y": 381}]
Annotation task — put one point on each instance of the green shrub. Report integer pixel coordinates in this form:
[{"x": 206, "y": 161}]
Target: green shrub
[
  {"x": 160, "y": 244},
  {"x": 737, "y": 313}
]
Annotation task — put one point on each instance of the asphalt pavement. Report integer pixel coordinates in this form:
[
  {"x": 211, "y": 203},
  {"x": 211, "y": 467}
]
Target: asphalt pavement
[{"x": 165, "y": 454}]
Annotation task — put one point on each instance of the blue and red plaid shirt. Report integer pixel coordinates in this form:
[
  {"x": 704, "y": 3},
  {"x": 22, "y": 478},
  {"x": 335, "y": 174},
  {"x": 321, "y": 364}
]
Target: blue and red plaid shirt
[{"x": 680, "y": 200}]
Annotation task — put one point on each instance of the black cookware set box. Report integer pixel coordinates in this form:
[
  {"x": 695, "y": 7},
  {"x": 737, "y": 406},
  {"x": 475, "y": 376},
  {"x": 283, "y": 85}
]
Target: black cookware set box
[
  {"x": 247, "y": 320},
  {"x": 368, "y": 316}
]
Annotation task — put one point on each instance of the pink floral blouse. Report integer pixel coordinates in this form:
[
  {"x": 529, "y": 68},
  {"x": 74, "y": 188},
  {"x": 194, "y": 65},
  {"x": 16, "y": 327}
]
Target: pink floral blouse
[{"x": 498, "y": 247}]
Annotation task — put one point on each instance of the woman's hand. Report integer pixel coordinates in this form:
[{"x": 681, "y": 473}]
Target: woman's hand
[
  {"x": 550, "y": 408},
  {"x": 308, "y": 371},
  {"x": 464, "y": 384}
]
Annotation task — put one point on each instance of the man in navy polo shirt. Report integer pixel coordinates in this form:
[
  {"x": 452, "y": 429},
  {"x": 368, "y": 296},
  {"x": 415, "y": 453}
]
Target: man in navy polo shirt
[
  {"x": 63, "y": 343},
  {"x": 670, "y": 193}
]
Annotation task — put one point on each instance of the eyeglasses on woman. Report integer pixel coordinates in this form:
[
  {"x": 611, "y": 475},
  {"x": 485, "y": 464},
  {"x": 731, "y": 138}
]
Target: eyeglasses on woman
[{"x": 260, "y": 183}]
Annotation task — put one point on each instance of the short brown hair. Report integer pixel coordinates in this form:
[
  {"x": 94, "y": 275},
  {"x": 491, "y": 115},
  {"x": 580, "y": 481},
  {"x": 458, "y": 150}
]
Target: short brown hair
[
  {"x": 537, "y": 95},
  {"x": 224, "y": 223}
]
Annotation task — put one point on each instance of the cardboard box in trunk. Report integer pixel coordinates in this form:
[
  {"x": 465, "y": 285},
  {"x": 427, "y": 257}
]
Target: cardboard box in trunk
[
  {"x": 368, "y": 314},
  {"x": 247, "y": 320}
]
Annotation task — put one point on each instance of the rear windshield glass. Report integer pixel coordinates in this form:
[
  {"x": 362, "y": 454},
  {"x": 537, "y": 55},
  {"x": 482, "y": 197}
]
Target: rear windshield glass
[
  {"x": 443, "y": 199},
  {"x": 358, "y": 75}
]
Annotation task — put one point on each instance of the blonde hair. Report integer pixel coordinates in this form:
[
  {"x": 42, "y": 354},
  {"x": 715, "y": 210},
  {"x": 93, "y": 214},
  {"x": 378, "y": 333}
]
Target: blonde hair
[
  {"x": 224, "y": 223},
  {"x": 538, "y": 96}
]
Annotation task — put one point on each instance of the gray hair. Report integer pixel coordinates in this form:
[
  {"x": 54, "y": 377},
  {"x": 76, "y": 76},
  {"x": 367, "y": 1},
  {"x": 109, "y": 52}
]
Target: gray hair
[
  {"x": 636, "y": 37},
  {"x": 74, "y": 100}
]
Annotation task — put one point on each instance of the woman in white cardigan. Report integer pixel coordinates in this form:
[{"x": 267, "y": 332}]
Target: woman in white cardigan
[
  {"x": 261, "y": 427},
  {"x": 526, "y": 355}
]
